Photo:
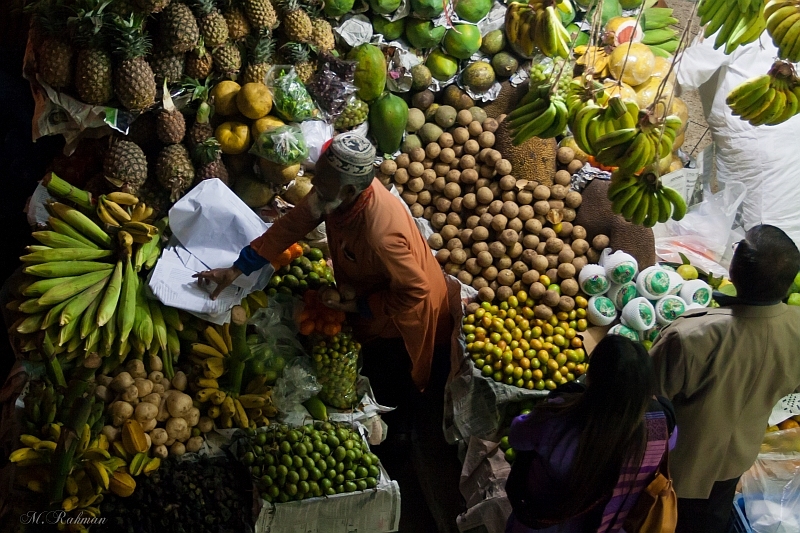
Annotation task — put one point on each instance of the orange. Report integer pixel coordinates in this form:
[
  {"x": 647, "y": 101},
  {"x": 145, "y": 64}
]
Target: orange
[
  {"x": 788, "y": 424},
  {"x": 307, "y": 327}
]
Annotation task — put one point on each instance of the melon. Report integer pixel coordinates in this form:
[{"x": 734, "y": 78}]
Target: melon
[
  {"x": 427, "y": 9},
  {"x": 442, "y": 66},
  {"x": 390, "y": 30},
  {"x": 423, "y": 34},
  {"x": 638, "y": 66},
  {"x": 473, "y": 10},
  {"x": 646, "y": 92},
  {"x": 680, "y": 108},
  {"x": 384, "y": 7},
  {"x": 478, "y": 76},
  {"x": 662, "y": 67},
  {"x": 624, "y": 30},
  {"x": 337, "y": 8},
  {"x": 630, "y": 4},
  {"x": 622, "y": 89}
]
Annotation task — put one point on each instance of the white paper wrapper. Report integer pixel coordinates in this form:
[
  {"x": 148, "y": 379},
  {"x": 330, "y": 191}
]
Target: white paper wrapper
[
  {"x": 601, "y": 311},
  {"x": 495, "y": 20},
  {"x": 521, "y": 76},
  {"x": 639, "y": 314},
  {"x": 696, "y": 292},
  {"x": 355, "y": 30},
  {"x": 653, "y": 282},
  {"x": 401, "y": 12},
  {"x": 398, "y": 78},
  {"x": 675, "y": 283}
]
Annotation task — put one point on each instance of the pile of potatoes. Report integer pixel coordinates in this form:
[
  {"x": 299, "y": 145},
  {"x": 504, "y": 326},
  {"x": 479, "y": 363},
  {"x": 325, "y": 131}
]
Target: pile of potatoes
[{"x": 171, "y": 422}]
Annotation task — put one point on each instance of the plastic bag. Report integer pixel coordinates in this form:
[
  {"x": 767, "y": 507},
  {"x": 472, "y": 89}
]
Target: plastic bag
[
  {"x": 297, "y": 385},
  {"x": 289, "y": 96},
  {"x": 702, "y": 235},
  {"x": 316, "y": 133},
  {"x": 333, "y": 84},
  {"x": 285, "y": 145},
  {"x": 771, "y": 488},
  {"x": 337, "y": 370}
]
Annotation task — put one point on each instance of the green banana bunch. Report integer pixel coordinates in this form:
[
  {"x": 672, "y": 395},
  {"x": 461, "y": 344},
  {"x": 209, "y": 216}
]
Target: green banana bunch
[
  {"x": 783, "y": 25},
  {"x": 643, "y": 200},
  {"x": 655, "y": 18},
  {"x": 735, "y": 22},
  {"x": 769, "y": 99},
  {"x": 539, "y": 114}
]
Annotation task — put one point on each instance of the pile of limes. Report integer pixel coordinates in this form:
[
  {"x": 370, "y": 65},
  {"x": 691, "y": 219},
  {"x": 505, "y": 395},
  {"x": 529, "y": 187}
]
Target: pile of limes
[
  {"x": 507, "y": 343},
  {"x": 336, "y": 366},
  {"x": 314, "y": 460},
  {"x": 309, "y": 271},
  {"x": 354, "y": 114}
]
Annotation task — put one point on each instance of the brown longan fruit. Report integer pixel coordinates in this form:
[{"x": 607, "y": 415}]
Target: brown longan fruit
[
  {"x": 469, "y": 176},
  {"x": 566, "y": 304},
  {"x": 529, "y": 277},
  {"x": 533, "y": 226},
  {"x": 429, "y": 212},
  {"x": 525, "y": 198},
  {"x": 547, "y": 233},
  {"x": 443, "y": 204},
  {"x": 566, "y": 255},
  {"x": 503, "y": 262},
  {"x": 563, "y": 177},
  {"x": 578, "y": 232},
  {"x": 489, "y": 273},
  {"x": 424, "y": 198},
  {"x": 536, "y": 290},
  {"x": 579, "y": 263},
  {"x": 464, "y": 117},
  {"x": 540, "y": 264},
  {"x": 401, "y": 176},
  {"x": 499, "y": 222},
  {"x": 415, "y": 185},
  {"x": 465, "y": 235},
  {"x": 471, "y": 147},
  {"x": 433, "y": 150},
  {"x": 569, "y": 214},
  {"x": 464, "y": 277},
  {"x": 441, "y": 169},
  {"x": 515, "y": 250},
  {"x": 574, "y": 166},
  {"x": 479, "y": 283},
  {"x": 416, "y": 155},
  {"x": 554, "y": 245},
  {"x": 409, "y": 197},
  {"x": 458, "y": 149},
  {"x": 415, "y": 169},
  {"x": 481, "y": 209},
  {"x": 403, "y": 160},
  {"x": 417, "y": 210},
  {"x": 428, "y": 176},
  {"x": 439, "y": 184},
  {"x": 452, "y": 190},
  {"x": 467, "y": 161},
  {"x": 530, "y": 241},
  {"x": 490, "y": 124},
  {"x": 480, "y": 233},
  {"x": 486, "y": 294},
  {"x": 475, "y": 128},
  {"x": 541, "y": 192},
  {"x": 600, "y": 242},
  {"x": 542, "y": 207},
  {"x": 556, "y": 204},
  {"x": 515, "y": 224},
  {"x": 493, "y": 157},
  {"x": 558, "y": 192},
  {"x": 455, "y": 205},
  {"x": 503, "y": 167},
  {"x": 566, "y": 271},
  {"x": 454, "y": 243},
  {"x": 389, "y": 167},
  {"x": 458, "y": 256},
  {"x": 447, "y": 155},
  {"x": 486, "y": 139},
  {"x": 454, "y": 219},
  {"x": 510, "y": 210},
  {"x": 496, "y": 207},
  {"x": 478, "y": 247},
  {"x": 470, "y": 201},
  {"x": 566, "y": 230},
  {"x": 486, "y": 171},
  {"x": 448, "y": 232},
  {"x": 484, "y": 259},
  {"x": 472, "y": 266},
  {"x": 573, "y": 199},
  {"x": 569, "y": 286},
  {"x": 435, "y": 241},
  {"x": 497, "y": 249},
  {"x": 472, "y": 221},
  {"x": 550, "y": 298},
  {"x": 525, "y": 213},
  {"x": 580, "y": 247},
  {"x": 486, "y": 220},
  {"x": 438, "y": 220},
  {"x": 445, "y": 141},
  {"x": 460, "y": 135},
  {"x": 443, "y": 256}
]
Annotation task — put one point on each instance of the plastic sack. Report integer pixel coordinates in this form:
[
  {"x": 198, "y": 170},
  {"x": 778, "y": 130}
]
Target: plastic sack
[
  {"x": 316, "y": 134},
  {"x": 277, "y": 328},
  {"x": 289, "y": 96},
  {"x": 702, "y": 235},
  {"x": 771, "y": 488},
  {"x": 337, "y": 371},
  {"x": 285, "y": 145},
  {"x": 332, "y": 85},
  {"x": 297, "y": 385}
]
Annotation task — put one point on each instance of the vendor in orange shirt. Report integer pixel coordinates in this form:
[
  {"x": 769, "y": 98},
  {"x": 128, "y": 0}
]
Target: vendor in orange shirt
[{"x": 401, "y": 309}]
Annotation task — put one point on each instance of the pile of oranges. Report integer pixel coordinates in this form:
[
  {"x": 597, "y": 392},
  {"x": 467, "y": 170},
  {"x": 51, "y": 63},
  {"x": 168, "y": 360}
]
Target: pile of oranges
[
  {"x": 317, "y": 318},
  {"x": 288, "y": 255}
]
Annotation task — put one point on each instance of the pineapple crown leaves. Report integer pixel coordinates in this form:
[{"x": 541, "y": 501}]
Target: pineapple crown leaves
[
  {"x": 199, "y": 90},
  {"x": 130, "y": 40},
  {"x": 296, "y": 52},
  {"x": 204, "y": 7},
  {"x": 314, "y": 8},
  {"x": 50, "y": 16},
  {"x": 261, "y": 47},
  {"x": 207, "y": 151},
  {"x": 90, "y": 21}
]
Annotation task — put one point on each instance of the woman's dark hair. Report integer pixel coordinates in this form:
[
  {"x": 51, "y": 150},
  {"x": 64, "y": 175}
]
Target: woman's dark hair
[
  {"x": 620, "y": 384},
  {"x": 764, "y": 264}
]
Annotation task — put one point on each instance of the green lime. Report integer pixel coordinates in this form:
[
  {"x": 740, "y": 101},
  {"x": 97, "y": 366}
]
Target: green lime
[
  {"x": 285, "y": 447},
  {"x": 371, "y": 482},
  {"x": 340, "y": 453},
  {"x": 314, "y": 254},
  {"x": 349, "y": 486},
  {"x": 297, "y": 461},
  {"x": 261, "y": 438},
  {"x": 282, "y": 471},
  {"x": 292, "y": 477},
  {"x": 274, "y": 491},
  {"x": 274, "y": 282},
  {"x": 248, "y": 458},
  {"x": 339, "y": 479},
  {"x": 286, "y": 460},
  {"x": 361, "y": 484},
  {"x": 297, "y": 272},
  {"x": 291, "y": 489}
]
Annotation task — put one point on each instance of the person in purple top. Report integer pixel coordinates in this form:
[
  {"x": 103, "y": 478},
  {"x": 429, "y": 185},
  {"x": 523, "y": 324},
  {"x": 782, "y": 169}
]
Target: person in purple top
[{"x": 585, "y": 454}]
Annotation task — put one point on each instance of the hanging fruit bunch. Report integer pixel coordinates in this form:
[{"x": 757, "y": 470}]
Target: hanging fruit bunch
[
  {"x": 537, "y": 25},
  {"x": 769, "y": 99}
]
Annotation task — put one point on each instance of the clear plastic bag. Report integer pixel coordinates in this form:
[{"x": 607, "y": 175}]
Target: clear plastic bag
[
  {"x": 289, "y": 96},
  {"x": 297, "y": 385},
  {"x": 285, "y": 145},
  {"x": 771, "y": 488},
  {"x": 333, "y": 84},
  {"x": 336, "y": 365}
]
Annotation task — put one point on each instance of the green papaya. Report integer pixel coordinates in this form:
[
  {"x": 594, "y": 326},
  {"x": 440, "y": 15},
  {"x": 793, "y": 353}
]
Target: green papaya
[
  {"x": 388, "y": 116},
  {"x": 423, "y": 34},
  {"x": 462, "y": 40},
  {"x": 473, "y": 10},
  {"x": 390, "y": 30},
  {"x": 384, "y": 7},
  {"x": 337, "y": 8},
  {"x": 428, "y": 9},
  {"x": 370, "y": 78}
]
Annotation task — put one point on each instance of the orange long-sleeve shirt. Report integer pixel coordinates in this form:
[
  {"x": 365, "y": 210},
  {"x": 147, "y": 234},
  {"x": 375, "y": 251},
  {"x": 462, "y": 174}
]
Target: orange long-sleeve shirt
[{"x": 378, "y": 250}]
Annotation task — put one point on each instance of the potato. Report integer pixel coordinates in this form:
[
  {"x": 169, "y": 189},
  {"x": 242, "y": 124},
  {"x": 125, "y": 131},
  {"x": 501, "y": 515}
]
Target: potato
[
  {"x": 480, "y": 233},
  {"x": 484, "y": 259},
  {"x": 529, "y": 277},
  {"x": 580, "y": 247},
  {"x": 486, "y": 294},
  {"x": 566, "y": 271},
  {"x": 445, "y": 141},
  {"x": 499, "y": 222},
  {"x": 469, "y": 176},
  {"x": 443, "y": 256},
  {"x": 435, "y": 241},
  {"x": 475, "y": 128},
  {"x": 506, "y": 277},
  {"x": 485, "y": 195},
  {"x": 452, "y": 190},
  {"x": 489, "y": 273},
  {"x": 563, "y": 177},
  {"x": 554, "y": 245},
  {"x": 403, "y": 160},
  {"x": 447, "y": 155},
  {"x": 503, "y": 167},
  {"x": 486, "y": 139},
  {"x": 471, "y": 147},
  {"x": 515, "y": 224},
  {"x": 600, "y": 242},
  {"x": 467, "y": 161}
]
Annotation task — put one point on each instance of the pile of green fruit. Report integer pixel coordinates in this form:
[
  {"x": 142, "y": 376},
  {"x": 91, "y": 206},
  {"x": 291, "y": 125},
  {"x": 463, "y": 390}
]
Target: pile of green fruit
[
  {"x": 335, "y": 362},
  {"x": 507, "y": 343},
  {"x": 314, "y": 460},
  {"x": 794, "y": 291},
  {"x": 518, "y": 409},
  {"x": 355, "y": 113},
  {"x": 309, "y": 271}
]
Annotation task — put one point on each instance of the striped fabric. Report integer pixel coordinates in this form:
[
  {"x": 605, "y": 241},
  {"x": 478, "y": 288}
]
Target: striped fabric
[{"x": 634, "y": 479}]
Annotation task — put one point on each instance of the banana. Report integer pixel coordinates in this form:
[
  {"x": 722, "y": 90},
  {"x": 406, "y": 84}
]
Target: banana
[
  {"x": 105, "y": 216},
  {"x": 65, "y": 254},
  {"x": 78, "y": 304},
  {"x": 788, "y": 44},
  {"x": 122, "y": 198},
  {"x": 775, "y": 109},
  {"x": 760, "y": 106},
  {"x": 68, "y": 289},
  {"x": 727, "y": 28},
  {"x": 790, "y": 109},
  {"x": 655, "y": 211},
  {"x": 664, "y": 206},
  {"x": 215, "y": 340},
  {"x": 715, "y": 23},
  {"x": 780, "y": 30},
  {"x": 748, "y": 87},
  {"x": 615, "y": 138},
  {"x": 677, "y": 201},
  {"x": 630, "y": 206},
  {"x": 240, "y": 416},
  {"x": 127, "y": 304},
  {"x": 642, "y": 208},
  {"x": 60, "y": 269},
  {"x": 96, "y": 454},
  {"x": 559, "y": 123},
  {"x": 26, "y": 455},
  {"x": 749, "y": 99},
  {"x": 251, "y": 401}
]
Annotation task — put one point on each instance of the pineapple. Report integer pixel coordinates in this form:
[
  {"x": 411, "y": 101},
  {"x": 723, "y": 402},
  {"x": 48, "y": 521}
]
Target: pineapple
[
  {"x": 155, "y": 196},
  {"x": 134, "y": 82},
  {"x": 298, "y": 54},
  {"x": 208, "y": 156},
  {"x": 296, "y": 22},
  {"x": 124, "y": 8},
  {"x": 261, "y": 49},
  {"x": 213, "y": 27},
  {"x": 198, "y": 62},
  {"x": 125, "y": 166},
  {"x": 170, "y": 124},
  {"x": 168, "y": 66},
  {"x": 201, "y": 130},
  {"x": 227, "y": 59},
  {"x": 174, "y": 170},
  {"x": 179, "y": 31},
  {"x": 261, "y": 14},
  {"x": 55, "y": 57},
  {"x": 238, "y": 25},
  {"x": 152, "y": 6},
  {"x": 93, "y": 81},
  {"x": 322, "y": 35}
]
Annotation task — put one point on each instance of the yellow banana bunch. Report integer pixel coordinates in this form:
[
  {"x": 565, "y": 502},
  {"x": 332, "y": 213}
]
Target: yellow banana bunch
[
  {"x": 769, "y": 99},
  {"x": 537, "y": 25},
  {"x": 118, "y": 208},
  {"x": 594, "y": 59},
  {"x": 783, "y": 25},
  {"x": 643, "y": 200},
  {"x": 734, "y": 22}
]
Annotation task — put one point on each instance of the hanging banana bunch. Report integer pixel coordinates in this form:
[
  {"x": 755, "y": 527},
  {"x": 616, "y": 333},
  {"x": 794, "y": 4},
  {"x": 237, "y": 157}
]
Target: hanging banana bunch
[
  {"x": 736, "y": 22},
  {"x": 643, "y": 200},
  {"x": 769, "y": 99},
  {"x": 537, "y": 25}
]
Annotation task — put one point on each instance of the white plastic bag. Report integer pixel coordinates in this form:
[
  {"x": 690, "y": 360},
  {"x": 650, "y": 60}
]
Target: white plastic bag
[
  {"x": 702, "y": 235},
  {"x": 771, "y": 488}
]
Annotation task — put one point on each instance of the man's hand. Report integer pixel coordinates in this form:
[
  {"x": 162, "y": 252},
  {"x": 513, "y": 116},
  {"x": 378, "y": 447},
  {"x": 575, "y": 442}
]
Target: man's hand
[
  {"x": 221, "y": 276},
  {"x": 348, "y": 307}
]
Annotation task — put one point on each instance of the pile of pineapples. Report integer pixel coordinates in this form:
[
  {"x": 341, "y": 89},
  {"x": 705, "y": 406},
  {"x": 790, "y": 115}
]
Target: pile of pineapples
[{"x": 100, "y": 50}]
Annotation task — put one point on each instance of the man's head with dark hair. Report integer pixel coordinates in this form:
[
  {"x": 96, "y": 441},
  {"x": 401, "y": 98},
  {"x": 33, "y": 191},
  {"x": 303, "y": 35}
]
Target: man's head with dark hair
[{"x": 764, "y": 264}]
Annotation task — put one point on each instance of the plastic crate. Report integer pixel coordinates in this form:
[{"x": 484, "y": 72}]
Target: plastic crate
[{"x": 739, "y": 523}]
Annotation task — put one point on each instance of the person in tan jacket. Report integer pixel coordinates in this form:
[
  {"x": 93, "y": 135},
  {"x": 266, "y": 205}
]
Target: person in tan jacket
[
  {"x": 401, "y": 309},
  {"x": 724, "y": 369}
]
